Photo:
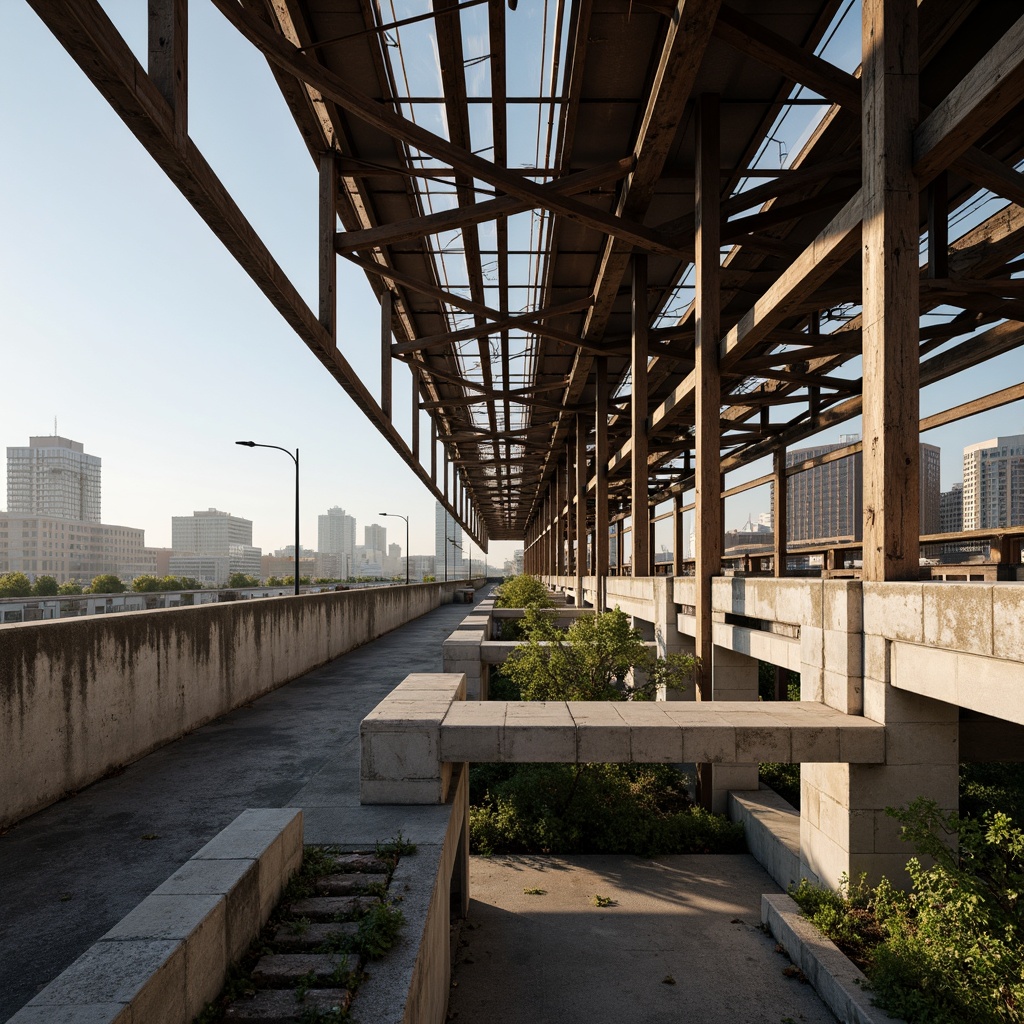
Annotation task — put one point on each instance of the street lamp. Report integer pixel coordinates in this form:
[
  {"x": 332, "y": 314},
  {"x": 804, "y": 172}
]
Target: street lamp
[
  {"x": 295, "y": 459},
  {"x": 395, "y": 515}
]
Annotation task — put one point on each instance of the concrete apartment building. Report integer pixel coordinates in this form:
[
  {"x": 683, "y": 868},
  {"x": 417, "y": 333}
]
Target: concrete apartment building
[
  {"x": 825, "y": 502},
  {"x": 52, "y": 526},
  {"x": 54, "y": 476},
  {"x": 951, "y": 509},
  {"x": 993, "y": 488},
  {"x": 336, "y": 544},
  {"x": 210, "y": 545}
]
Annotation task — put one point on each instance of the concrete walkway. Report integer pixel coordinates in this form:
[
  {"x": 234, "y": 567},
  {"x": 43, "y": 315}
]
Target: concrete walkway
[
  {"x": 69, "y": 873},
  {"x": 680, "y": 944},
  {"x": 72, "y": 871}
]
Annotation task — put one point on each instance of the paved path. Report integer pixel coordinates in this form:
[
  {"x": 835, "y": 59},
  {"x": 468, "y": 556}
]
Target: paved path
[
  {"x": 681, "y": 945},
  {"x": 72, "y": 871}
]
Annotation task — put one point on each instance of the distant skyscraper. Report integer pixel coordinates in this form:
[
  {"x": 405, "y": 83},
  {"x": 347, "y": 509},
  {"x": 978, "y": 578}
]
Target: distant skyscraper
[
  {"x": 824, "y": 503},
  {"x": 951, "y": 510},
  {"x": 375, "y": 537},
  {"x": 447, "y": 544},
  {"x": 211, "y": 545},
  {"x": 994, "y": 483},
  {"x": 53, "y": 476},
  {"x": 336, "y": 533}
]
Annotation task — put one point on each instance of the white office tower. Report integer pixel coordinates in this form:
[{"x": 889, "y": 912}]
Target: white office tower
[
  {"x": 55, "y": 477},
  {"x": 211, "y": 545},
  {"x": 994, "y": 483},
  {"x": 448, "y": 563},
  {"x": 336, "y": 533}
]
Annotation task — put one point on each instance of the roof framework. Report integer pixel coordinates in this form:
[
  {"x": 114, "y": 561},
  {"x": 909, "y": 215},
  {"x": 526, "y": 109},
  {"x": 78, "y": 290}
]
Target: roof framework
[{"x": 608, "y": 275}]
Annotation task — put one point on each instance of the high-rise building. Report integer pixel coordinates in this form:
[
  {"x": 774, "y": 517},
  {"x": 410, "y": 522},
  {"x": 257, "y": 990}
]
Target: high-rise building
[
  {"x": 336, "y": 533},
  {"x": 447, "y": 545},
  {"x": 951, "y": 510},
  {"x": 825, "y": 503},
  {"x": 994, "y": 483},
  {"x": 53, "y": 477},
  {"x": 71, "y": 549},
  {"x": 375, "y": 537},
  {"x": 212, "y": 545}
]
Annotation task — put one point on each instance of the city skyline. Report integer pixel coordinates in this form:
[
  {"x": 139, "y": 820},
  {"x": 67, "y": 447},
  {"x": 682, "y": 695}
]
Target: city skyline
[{"x": 161, "y": 352}]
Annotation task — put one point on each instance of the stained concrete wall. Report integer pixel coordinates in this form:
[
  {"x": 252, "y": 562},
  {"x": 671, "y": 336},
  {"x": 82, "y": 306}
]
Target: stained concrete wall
[{"x": 79, "y": 697}]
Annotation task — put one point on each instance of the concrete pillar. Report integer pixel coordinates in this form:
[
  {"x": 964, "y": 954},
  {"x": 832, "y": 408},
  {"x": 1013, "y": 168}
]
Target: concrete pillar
[
  {"x": 843, "y": 822},
  {"x": 667, "y": 635},
  {"x": 733, "y": 677}
]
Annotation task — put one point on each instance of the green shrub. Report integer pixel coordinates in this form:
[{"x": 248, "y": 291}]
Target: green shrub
[
  {"x": 590, "y": 660},
  {"x": 597, "y": 808},
  {"x": 523, "y": 591},
  {"x": 783, "y": 778},
  {"x": 949, "y": 951}
]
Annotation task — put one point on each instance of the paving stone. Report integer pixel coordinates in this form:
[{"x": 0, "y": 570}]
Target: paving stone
[
  {"x": 358, "y": 862},
  {"x": 348, "y": 884},
  {"x": 277, "y": 1006},
  {"x": 277, "y": 970},
  {"x": 313, "y": 934},
  {"x": 330, "y": 908}
]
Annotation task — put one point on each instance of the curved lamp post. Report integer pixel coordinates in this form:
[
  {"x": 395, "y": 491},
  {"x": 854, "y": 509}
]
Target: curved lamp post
[
  {"x": 396, "y": 515},
  {"x": 295, "y": 459}
]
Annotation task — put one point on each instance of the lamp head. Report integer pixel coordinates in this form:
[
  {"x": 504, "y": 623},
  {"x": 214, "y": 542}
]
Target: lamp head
[{"x": 248, "y": 444}]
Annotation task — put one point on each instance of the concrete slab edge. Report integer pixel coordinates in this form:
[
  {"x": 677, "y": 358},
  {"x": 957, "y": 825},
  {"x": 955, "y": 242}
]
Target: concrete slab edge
[
  {"x": 842, "y": 987},
  {"x": 771, "y": 826},
  {"x": 169, "y": 957}
]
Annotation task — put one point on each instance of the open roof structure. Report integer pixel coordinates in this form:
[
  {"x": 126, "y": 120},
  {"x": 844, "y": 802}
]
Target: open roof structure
[{"x": 562, "y": 205}]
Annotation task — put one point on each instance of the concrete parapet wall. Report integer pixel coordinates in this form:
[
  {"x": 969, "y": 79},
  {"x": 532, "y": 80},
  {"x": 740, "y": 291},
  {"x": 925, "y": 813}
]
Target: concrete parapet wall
[
  {"x": 169, "y": 957},
  {"x": 842, "y": 987},
  {"x": 410, "y": 985},
  {"x": 79, "y": 697},
  {"x": 771, "y": 826}
]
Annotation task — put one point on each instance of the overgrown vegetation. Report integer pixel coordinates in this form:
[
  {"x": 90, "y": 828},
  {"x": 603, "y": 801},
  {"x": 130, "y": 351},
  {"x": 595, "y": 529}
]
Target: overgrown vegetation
[
  {"x": 950, "y": 950},
  {"x": 523, "y": 591},
  {"x": 589, "y": 808},
  {"x": 641, "y": 809},
  {"x": 591, "y": 660}
]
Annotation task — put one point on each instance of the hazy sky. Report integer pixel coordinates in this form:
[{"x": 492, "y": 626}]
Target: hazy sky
[{"x": 122, "y": 316}]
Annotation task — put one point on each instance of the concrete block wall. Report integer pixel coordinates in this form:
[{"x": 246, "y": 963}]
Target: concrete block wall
[
  {"x": 81, "y": 696},
  {"x": 169, "y": 957}
]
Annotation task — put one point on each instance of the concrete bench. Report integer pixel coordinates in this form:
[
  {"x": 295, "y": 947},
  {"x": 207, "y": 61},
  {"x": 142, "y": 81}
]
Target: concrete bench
[
  {"x": 413, "y": 737},
  {"x": 169, "y": 957}
]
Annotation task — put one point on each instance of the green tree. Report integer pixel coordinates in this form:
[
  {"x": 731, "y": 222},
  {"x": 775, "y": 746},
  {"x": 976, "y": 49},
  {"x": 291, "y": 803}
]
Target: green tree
[
  {"x": 275, "y": 581},
  {"x": 106, "y": 583},
  {"x": 591, "y": 660},
  {"x": 15, "y": 584},
  {"x": 185, "y": 583},
  {"x": 523, "y": 591},
  {"x": 45, "y": 586},
  {"x": 240, "y": 579},
  {"x": 429, "y": 579},
  {"x": 70, "y": 587},
  {"x": 145, "y": 584}
]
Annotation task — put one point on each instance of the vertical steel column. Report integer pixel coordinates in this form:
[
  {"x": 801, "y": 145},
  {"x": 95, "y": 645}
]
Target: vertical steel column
[
  {"x": 708, "y": 477},
  {"x": 581, "y": 507},
  {"x": 891, "y": 360},
  {"x": 640, "y": 507},
  {"x": 780, "y": 521},
  {"x": 601, "y": 481}
]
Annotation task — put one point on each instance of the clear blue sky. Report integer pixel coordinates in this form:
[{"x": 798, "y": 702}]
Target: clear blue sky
[{"x": 123, "y": 316}]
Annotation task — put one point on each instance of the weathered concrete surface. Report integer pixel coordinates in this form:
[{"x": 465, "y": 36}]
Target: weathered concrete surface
[
  {"x": 79, "y": 697},
  {"x": 72, "y": 871},
  {"x": 557, "y": 957}
]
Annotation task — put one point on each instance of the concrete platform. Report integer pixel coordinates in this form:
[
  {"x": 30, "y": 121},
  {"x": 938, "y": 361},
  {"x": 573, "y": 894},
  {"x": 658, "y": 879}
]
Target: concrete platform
[
  {"x": 558, "y": 957},
  {"x": 733, "y": 732},
  {"x": 74, "y": 870}
]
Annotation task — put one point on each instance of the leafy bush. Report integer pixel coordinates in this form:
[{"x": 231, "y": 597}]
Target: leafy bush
[
  {"x": 590, "y": 661},
  {"x": 596, "y": 808},
  {"x": 950, "y": 950},
  {"x": 986, "y": 788},
  {"x": 783, "y": 778},
  {"x": 523, "y": 591}
]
